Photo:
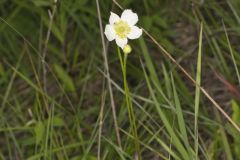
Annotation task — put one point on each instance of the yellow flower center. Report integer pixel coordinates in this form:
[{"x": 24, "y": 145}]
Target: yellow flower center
[{"x": 122, "y": 29}]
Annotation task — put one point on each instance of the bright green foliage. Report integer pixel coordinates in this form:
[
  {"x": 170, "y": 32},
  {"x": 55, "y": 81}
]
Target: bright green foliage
[
  {"x": 236, "y": 112},
  {"x": 39, "y": 130},
  {"x": 64, "y": 77}
]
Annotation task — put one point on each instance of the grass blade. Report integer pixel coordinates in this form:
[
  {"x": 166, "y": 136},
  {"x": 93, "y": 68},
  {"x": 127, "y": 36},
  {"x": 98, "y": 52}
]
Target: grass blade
[{"x": 197, "y": 92}]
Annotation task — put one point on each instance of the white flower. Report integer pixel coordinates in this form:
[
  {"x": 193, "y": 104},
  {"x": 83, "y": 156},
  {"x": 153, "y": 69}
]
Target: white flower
[{"x": 123, "y": 28}]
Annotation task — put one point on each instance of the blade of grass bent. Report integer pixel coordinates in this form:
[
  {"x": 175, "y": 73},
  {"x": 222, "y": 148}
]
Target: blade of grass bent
[
  {"x": 179, "y": 146},
  {"x": 180, "y": 118},
  {"x": 232, "y": 55}
]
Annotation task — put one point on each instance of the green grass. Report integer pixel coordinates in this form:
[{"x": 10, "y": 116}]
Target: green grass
[{"x": 54, "y": 86}]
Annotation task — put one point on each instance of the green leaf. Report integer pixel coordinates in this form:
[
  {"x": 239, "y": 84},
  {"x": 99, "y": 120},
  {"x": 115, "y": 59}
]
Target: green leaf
[
  {"x": 55, "y": 30},
  {"x": 236, "y": 112},
  {"x": 39, "y": 132},
  {"x": 57, "y": 121},
  {"x": 180, "y": 118},
  {"x": 197, "y": 92},
  {"x": 160, "y": 22},
  {"x": 236, "y": 138},
  {"x": 64, "y": 77}
]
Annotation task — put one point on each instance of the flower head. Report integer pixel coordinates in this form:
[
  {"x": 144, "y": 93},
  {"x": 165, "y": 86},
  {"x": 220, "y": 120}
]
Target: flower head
[{"x": 123, "y": 28}]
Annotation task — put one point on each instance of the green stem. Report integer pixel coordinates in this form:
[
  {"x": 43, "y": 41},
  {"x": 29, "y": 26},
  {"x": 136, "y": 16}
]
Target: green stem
[{"x": 123, "y": 62}]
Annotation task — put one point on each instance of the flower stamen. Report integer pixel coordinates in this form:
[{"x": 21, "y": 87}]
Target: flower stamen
[{"x": 122, "y": 29}]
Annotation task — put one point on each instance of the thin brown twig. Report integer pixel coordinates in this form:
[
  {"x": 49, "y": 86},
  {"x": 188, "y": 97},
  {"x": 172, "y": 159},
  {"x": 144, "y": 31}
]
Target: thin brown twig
[
  {"x": 188, "y": 76},
  {"x": 104, "y": 53},
  {"x": 117, "y": 4},
  {"x": 101, "y": 124}
]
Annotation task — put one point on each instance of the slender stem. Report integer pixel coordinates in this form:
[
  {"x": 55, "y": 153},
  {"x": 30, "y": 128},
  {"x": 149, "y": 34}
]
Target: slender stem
[
  {"x": 120, "y": 58},
  {"x": 44, "y": 54},
  {"x": 101, "y": 125},
  {"x": 104, "y": 53},
  {"x": 123, "y": 63}
]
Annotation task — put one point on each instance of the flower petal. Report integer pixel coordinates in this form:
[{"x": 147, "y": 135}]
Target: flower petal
[
  {"x": 113, "y": 18},
  {"x": 121, "y": 42},
  {"x": 130, "y": 17},
  {"x": 109, "y": 32},
  {"x": 135, "y": 32}
]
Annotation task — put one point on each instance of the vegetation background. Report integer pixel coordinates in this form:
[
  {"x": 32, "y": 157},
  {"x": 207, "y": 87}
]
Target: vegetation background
[{"x": 55, "y": 101}]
